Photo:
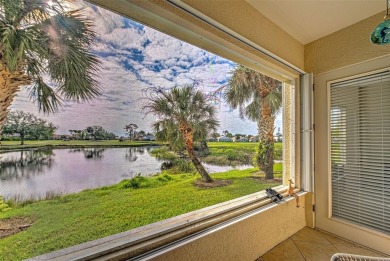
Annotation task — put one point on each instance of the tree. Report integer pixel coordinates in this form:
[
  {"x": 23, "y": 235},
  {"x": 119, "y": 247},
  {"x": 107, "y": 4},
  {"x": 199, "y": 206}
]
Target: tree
[
  {"x": 28, "y": 125},
  {"x": 183, "y": 116},
  {"x": 215, "y": 135},
  {"x": 279, "y": 135},
  {"x": 99, "y": 133},
  {"x": 45, "y": 38},
  {"x": 131, "y": 130},
  {"x": 259, "y": 98},
  {"x": 226, "y": 133}
]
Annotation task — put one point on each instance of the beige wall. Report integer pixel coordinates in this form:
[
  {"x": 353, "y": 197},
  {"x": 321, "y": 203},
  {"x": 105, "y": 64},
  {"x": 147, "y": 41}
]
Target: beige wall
[
  {"x": 342, "y": 54},
  {"x": 242, "y": 18},
  {"x": 247, "y": 239},
  {"x": 348, "y": 46}
]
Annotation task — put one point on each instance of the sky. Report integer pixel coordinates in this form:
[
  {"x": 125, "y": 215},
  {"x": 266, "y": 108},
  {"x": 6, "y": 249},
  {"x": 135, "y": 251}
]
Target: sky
[{"x": 135, "y": 57}]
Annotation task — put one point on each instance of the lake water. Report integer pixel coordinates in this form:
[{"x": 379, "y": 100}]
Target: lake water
[{"x": 33, "y": 173}]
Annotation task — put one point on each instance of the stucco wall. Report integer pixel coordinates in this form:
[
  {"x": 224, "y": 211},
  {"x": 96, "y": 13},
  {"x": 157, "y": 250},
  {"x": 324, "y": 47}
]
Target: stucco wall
[
  {"x": 345, "y": 47},
  {"x": 242, "y": 18},
  {"x": 247, "y": 239}
]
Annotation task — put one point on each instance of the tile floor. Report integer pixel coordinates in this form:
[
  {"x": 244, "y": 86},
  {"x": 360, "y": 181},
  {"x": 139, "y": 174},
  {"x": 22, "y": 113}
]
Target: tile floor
[{"x": 312, "y": 245}]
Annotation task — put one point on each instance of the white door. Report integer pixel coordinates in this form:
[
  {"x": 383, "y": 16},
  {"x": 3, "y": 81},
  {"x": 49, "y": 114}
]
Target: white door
[{"x": 352, "y": 176}]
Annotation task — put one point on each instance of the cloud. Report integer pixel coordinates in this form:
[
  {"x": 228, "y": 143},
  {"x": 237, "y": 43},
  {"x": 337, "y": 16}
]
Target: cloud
[{"x": 135, "y": 57}]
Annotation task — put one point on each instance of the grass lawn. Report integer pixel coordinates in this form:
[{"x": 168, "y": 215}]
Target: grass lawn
[
  {"x": 236, "y": 153},
  {"x": 72, "y": 143},
  {"x": 92, "y": 214},
  {"x": 251, "y": 145}
]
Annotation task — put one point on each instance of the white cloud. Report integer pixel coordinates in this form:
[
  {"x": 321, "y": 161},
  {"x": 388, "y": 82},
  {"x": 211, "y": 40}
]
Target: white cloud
[{"x": 130, "y": 55}]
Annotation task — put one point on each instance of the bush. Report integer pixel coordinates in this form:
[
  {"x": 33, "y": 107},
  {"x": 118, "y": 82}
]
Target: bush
[
  {"x": 182, "y": 165},
  {"x": 173, "y": 162},
  {"x": 137, "y": 182},
  {"x": 163, "y": 153},
  {"x": 3, "y": 205},
  {"x": 164, "y": 178}
]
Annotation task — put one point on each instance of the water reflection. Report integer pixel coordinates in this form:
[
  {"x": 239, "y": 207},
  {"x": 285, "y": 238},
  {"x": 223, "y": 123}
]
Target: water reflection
[
  {"x": 131, "y": 154},
  {"x": 33, "y": 173},
  {"x": 25, "y": 163},
  {"x": 90, "y": 153}
]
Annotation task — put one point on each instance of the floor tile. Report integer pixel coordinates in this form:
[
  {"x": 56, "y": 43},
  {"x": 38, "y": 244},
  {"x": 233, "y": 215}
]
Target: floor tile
[
  {"x": 356, "y": 250},
  {"x": 336, "y": 241},
  {"x": 285, "y": 251},
  {"x": 345, "y": 246},
  {"x": 312, "y": 245},
  {"x": 310, "y": 235},
  {"x": 316, "y": 251}
]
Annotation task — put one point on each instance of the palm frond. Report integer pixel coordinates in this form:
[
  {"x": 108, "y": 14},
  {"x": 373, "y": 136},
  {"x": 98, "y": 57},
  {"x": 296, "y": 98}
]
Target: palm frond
[
  {"x": 46, "y": 98},
  {"x": 40, "y": 38},
  {"x": 181, "y": 105}
]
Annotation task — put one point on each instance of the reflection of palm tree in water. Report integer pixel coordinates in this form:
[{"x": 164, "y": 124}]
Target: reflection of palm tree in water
[
  {"x": 95, "y": 153},
  {"x": 29, "y": 163},
  {"x": 131, "y": 153},
  {"x": 90, "y": 153},
  {"x": 140, "y": 150}
]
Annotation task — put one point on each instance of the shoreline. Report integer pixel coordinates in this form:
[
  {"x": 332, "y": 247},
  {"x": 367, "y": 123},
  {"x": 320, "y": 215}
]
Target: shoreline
[{"x": 4, "y": 148}]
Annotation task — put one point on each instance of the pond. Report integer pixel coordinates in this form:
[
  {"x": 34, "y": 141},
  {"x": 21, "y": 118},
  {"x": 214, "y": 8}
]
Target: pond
[{"x": 34, "y": 173}]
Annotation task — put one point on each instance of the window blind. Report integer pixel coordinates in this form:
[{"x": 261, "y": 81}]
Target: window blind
[{"x": 360, "y": 150}]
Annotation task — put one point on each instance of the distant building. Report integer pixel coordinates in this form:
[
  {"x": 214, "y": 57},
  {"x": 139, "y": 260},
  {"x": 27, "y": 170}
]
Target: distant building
[
  {"x": 149, "y": 137},
  {"x": 254, "y": 139},
  {"x": 225, "y": 139},
  {"x": 243, "y": 139}
]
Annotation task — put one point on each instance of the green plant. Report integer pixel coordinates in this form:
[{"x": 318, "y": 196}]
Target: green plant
[
  {"x": 164, "y": 178},
  {"x": 3, "y": 205},
  {"x": 136, "y": 183}
]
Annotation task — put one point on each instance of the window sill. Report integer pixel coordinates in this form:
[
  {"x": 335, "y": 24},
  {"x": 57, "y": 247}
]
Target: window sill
[{"x": 140, "y": 240}]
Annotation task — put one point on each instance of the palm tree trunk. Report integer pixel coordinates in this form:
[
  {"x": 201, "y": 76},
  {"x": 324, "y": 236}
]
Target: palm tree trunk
[
  {"x": 189, "y": 144},
  {"x": 265, "y": 157},
  {"x": 199, "y": 167},
  {"x": 9, "y": 85},
  {"x": 21, "y": 138}
]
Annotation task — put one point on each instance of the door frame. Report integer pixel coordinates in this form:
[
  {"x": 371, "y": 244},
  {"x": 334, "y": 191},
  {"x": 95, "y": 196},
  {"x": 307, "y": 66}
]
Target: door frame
[{"x": 367, "y": 237}]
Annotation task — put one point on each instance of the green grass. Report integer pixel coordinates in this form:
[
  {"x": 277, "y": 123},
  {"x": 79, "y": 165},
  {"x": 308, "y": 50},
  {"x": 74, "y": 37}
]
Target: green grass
[
  {"x": 236, "y": 153},
  {"x": 93, "y": 214},
  {"x": 8, "y": 145}
]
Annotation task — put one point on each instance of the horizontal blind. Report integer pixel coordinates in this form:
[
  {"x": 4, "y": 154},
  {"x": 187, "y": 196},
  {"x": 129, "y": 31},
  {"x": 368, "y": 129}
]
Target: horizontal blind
[{"x": 360, "y": 150}]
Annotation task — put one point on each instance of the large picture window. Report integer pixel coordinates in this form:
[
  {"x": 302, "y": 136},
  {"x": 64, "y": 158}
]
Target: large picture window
[
  {"x": 360, "y": 150},
  {"x": 173, "y": 130}
]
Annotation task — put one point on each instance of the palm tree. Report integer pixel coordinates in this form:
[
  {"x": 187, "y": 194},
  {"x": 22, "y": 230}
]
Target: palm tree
[
  {"x": 42, "y": 42},
  {"x": 183, "y": 116},
  {"x": 258, "y": 98}
]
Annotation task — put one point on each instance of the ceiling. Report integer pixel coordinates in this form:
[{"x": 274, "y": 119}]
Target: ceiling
[{"x": 309, "y": 20}]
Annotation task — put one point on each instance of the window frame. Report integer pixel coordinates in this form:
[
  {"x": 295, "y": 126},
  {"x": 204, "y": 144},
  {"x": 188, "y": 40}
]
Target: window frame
[{"x": 148, "y": 237}]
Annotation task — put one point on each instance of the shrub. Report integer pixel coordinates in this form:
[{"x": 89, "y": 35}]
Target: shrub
[
  {"x": 137, "y": 182},
  {"x": 164, "y": 178},
  {"x": 3, "y": 205},
  {"x": 164, "y": 153},
  {"x": 183, "y": 165}
]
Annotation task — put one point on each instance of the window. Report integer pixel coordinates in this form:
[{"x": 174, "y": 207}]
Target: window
[
  {"x": 85, "y": 189},
  {"x": 360, "y": 150}
]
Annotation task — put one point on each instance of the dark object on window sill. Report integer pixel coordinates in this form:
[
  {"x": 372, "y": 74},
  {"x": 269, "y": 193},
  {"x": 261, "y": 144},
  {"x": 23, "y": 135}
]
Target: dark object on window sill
[{"x": 274, "y": 195}]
